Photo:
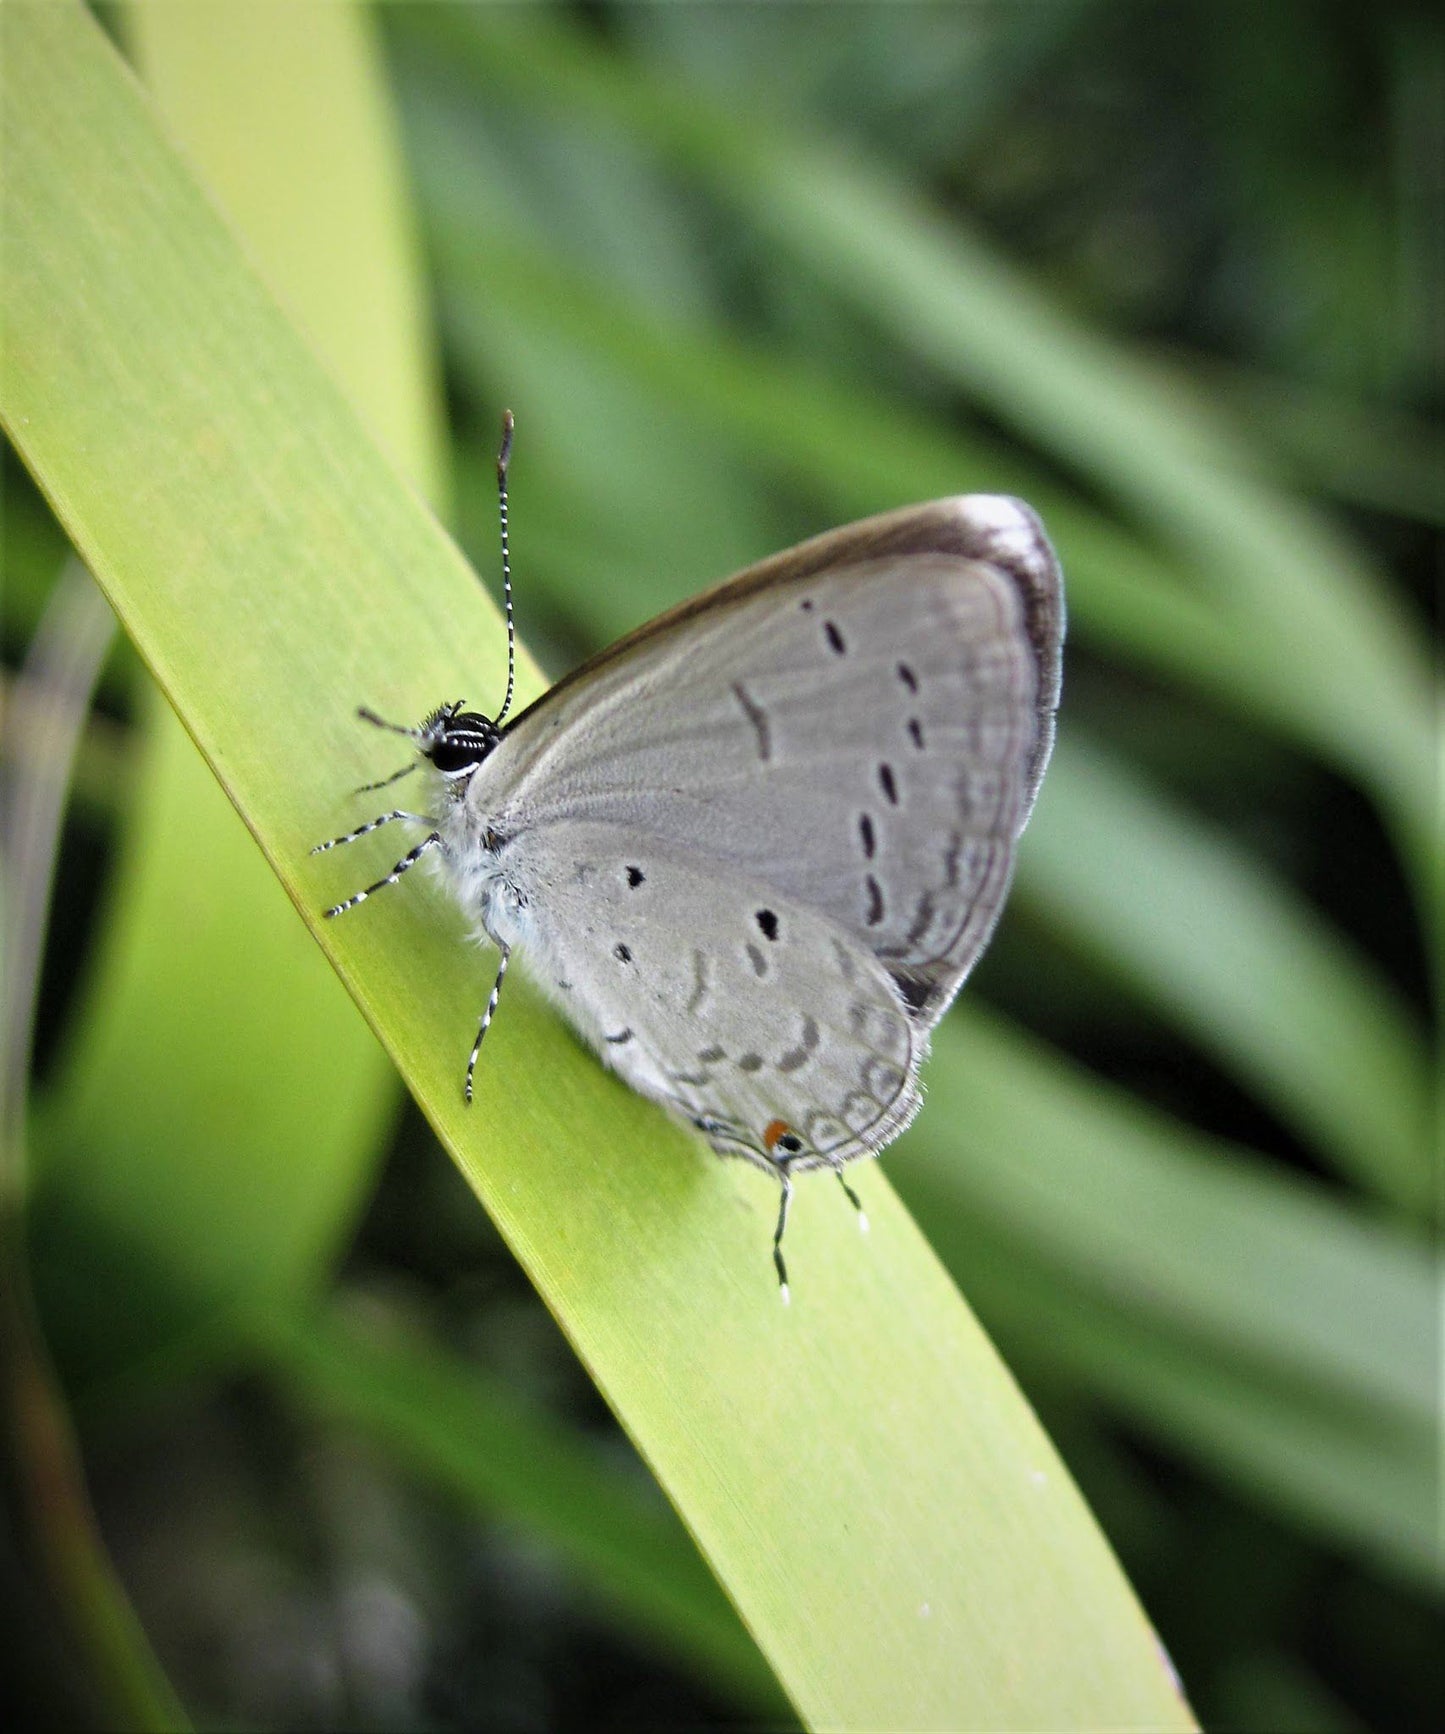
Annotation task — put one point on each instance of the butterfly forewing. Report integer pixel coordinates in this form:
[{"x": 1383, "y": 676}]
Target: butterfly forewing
[{"x": 858, "y": 726}]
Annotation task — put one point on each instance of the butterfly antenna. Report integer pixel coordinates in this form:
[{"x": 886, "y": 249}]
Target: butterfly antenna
[{"x": 503, "y": 458}]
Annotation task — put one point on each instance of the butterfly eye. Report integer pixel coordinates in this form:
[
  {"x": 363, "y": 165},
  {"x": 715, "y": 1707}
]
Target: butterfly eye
[
  {"x": 453, "y": 756},
  {"x": 458, "y": 743}
]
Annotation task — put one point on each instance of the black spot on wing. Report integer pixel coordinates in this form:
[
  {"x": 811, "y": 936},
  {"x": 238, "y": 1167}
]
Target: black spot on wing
[
  {"x": 635, "y": 877},
  {"x": 888, "y": 785},
  {"x": 622, "y": 953},
  {"x": 798, "y": 1056},
  {"x": 922, "y": 919},
  {"x": 835, "y": 639},
  {"x": 758, "y": 717},
  {"x": 865, "y": 832},
  {"x": 875, "y": 901},
  {"x": 768, "y": 922},
  {"x": 700, "y": 983}
]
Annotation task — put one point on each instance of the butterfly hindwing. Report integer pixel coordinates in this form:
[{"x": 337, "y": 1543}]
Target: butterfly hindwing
[{"x": 752, "y": 1017}]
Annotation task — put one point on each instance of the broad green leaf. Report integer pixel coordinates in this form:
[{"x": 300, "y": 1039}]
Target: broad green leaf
[
  {"x": 865, "y": 1450},
  {"x": 220, "y": 1110}
]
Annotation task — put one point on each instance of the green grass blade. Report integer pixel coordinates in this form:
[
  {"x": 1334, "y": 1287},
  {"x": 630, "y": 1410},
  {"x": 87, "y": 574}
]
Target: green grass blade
[
  {"x": 1346, "y": 1475},
  {"x": 316, "y": 188},
  {"x": 1381, "y": 459},
  {"x": 1257, "y": 1324},
  {"x": 1239, "y": 962},
  {"x": 218, "y": 1114},
  {"x": 866, "y": 1451},
  {"x": 1193, "y": 1232}
]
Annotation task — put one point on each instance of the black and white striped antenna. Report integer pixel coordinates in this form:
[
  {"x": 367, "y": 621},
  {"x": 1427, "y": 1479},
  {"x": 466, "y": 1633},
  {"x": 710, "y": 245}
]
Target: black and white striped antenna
[{"x": 503, "y": 458}]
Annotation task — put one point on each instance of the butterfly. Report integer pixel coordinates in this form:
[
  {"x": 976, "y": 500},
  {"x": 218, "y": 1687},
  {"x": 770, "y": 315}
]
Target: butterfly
[{"x": 752, "y": 850}]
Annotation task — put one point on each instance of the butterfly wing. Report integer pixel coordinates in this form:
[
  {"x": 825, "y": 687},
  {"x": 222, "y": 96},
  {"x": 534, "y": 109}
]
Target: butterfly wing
[
  {"x": 859, "y": 724},
  {"x": 749, "y": 1016}
]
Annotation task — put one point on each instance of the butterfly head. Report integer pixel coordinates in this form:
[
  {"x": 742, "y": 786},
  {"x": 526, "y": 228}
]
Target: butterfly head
[{"x": 456, "y": 741}]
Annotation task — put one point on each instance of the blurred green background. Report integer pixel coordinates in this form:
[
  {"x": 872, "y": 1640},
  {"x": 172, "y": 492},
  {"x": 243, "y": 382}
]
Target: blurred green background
[{"x": 744, "y": 272}]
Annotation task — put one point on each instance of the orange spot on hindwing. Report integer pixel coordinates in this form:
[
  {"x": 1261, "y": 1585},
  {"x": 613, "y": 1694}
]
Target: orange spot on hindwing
[{"x": 774, "y": 1130}]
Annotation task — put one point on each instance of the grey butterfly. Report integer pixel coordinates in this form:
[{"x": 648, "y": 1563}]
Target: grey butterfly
[{"x": 753, "y": 849}]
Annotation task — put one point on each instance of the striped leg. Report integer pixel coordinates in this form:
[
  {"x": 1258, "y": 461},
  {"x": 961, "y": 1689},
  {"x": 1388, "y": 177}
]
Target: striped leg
[
  {"x": 411, "y": 734},
  {"x": 782, "y": 1268},
  {"x": 487, "y": 1016},
  {"x": 386, "y": 782},
  {"x": 855, "y": 1201},
  {"x": 408, "y": 860},
  {"x": 371, "y": 825}
]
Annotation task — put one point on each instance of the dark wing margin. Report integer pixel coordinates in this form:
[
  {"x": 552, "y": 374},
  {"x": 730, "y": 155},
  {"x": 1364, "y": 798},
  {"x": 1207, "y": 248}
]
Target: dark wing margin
[{"x": 1007, "y": 534}]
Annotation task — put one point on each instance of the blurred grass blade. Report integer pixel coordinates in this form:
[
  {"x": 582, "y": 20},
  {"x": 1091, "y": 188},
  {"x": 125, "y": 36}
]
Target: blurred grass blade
[
  {"x": 865, "y": 1450},
  {"x": 1346, "y": 1475},
  {"x": 447, "y": 1421},
  {"x": 293, "y": 131},
  {"x": 57, "y": 1536},
  {"x": 1207, "y": 933},
  {"x": 220, "y": 1106},
  {"x": 1343, "y": 652},
  {"x": 1158, "y": 1250},
  {"x": 1380, "y": 459},
  {"x": 1225, "y": 1247}
]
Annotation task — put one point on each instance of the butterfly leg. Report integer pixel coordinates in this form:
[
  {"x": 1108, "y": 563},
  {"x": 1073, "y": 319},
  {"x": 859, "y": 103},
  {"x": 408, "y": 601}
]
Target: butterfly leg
[
  {"x": 369, "y": 826},
  {"x": 386, "y": 782},
  {"x": 408, "y": 860},
  {"x": 487, "y": 1016},
  {"x": 368, "y": 715},
  {"x": 783, "y": 1204},
  {"x": 854, "y": 1200}
]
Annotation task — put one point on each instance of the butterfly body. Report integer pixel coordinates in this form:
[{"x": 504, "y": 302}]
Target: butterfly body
[{"x": 752, "y": 850}]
